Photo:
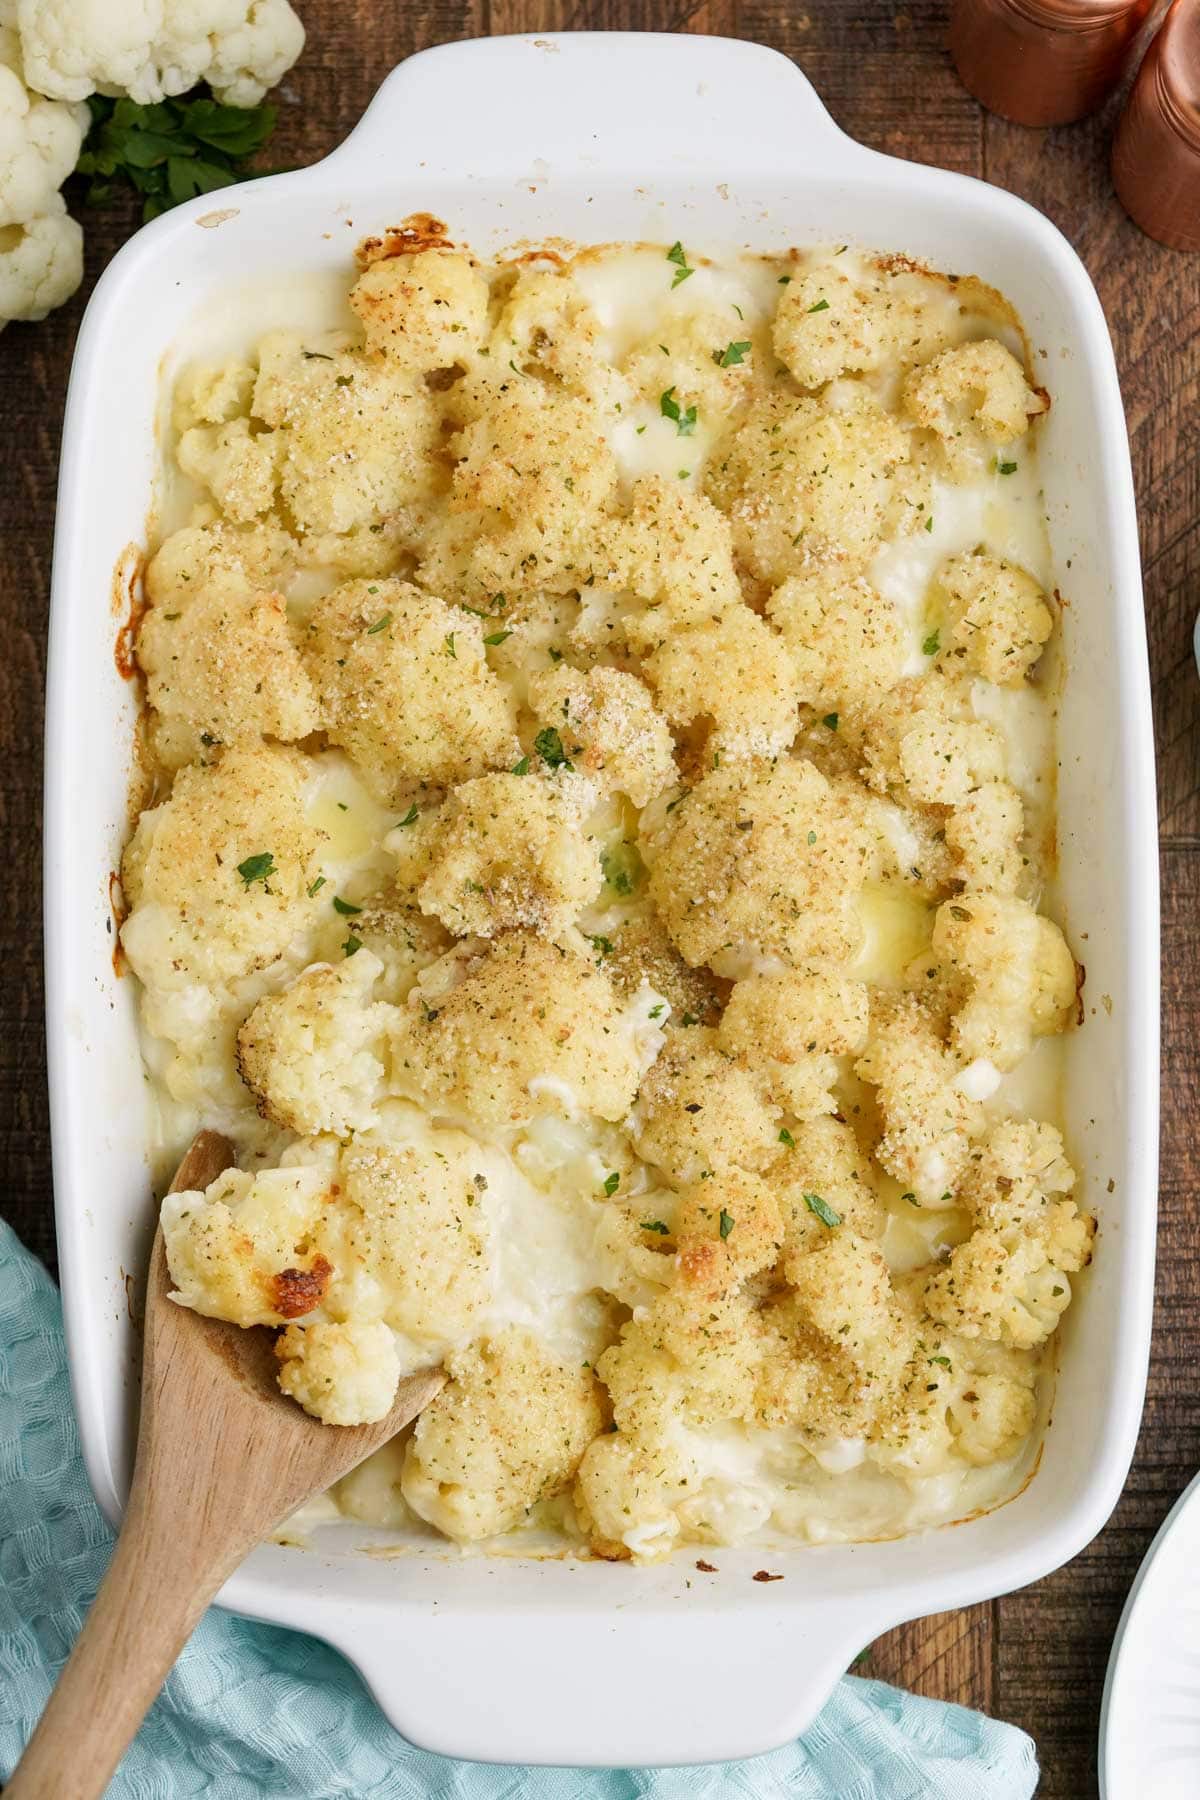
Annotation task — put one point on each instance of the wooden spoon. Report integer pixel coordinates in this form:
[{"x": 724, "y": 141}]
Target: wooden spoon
[{"x": 222, "y": 1458}]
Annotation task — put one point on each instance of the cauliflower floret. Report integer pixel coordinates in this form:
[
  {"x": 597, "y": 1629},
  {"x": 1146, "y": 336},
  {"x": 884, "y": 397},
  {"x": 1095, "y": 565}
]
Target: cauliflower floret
[
  {"x": 626, "y": 1493},
  {"x": 674, "y": 550},
  {"x": 979, "y": 381},
  {"x": 151, "y": 48},
  {"x": 223, "y": 667},
  {"x": 342, "y": 1373},
  {"x": 685, "y": 357},
  {"x": 1012, "y": 1177},
  {"x": 791, "y": 1027},
  {"x": 405, "y": 943},
  {"x": 548, "y": 328},
  {"x": 528, "y": 1028},
  {"x": 261, "y": 555},
  {"x": 423, "y": 310},
  {"x": 40, "y": 141},
  {"x": 752, "y": 706},
  {"x": 843, "y": 1291},
  {"x": 830, "y": 324},
  {"x": 1020, "y": 975},
  {"x": 356, "y": 436},
  {"x": 507, "y": 1430},
  {"x": 928, "y": 1119},
  {"x": 985, "y": 835},
  {"x": 611, "y": 726},
  {"x": 533, "y": 475},
  {"x": 216, "y": 877},
  {"x": 311, "y": 1055},
  {"x": 404, "y": 686},
  {"x": 996, "y": 617},
  {"x": 824, "y": 1171},
  {"x": 1008, "y": 1287},
  {"x": 802, "y": 484},
  {"x": 693, "y": 1354},
  {"x": 727, "y": 1229},
  {"x": 846, "y": 640},
  {"x": 420, "y": 1232},
  {"x": 212, "y": 394},
  {"x": 758, "y": 860},
  {"x": 642, "y": 955},
  {"x": 238, "y": 467},
  {"x": 41, "y": 263},
  {"x": 995, "y": 1413},
  {"x": 700, "y": 1113},
  {"x": 508, "y": 851},
  {"x": 922, "y": 741},
  {"x": 251, "y": 1248}
]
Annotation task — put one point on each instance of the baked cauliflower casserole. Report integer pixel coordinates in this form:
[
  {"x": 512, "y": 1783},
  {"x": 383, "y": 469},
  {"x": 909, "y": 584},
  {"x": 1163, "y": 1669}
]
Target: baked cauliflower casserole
[{"x": 602, "y": 801}]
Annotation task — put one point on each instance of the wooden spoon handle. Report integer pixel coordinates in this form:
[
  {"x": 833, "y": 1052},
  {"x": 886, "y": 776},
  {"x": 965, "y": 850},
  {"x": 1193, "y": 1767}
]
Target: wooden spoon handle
[{"x": 148, "y": 1605}]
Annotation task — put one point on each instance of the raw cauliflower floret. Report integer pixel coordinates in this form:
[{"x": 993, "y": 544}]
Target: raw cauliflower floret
[
  {"x": 846, "y": 641},
  {"x": 611, "y": 726},
  {"x": 674, "y": 551},
  {"x": 419, "y": 1231},
  {"x": 424, "y": 310},
  {"x": 823, "y": 1168},
  {"x": 752, "y": 704},
  {"x": 239, "y": 467},
  {"x": 311, "y": 1055},
  {"x": 791, "y": 1027},
  {"x": 533, "y": 475},
  {"x": 40, "y": 141},
  {"x": 928, "y": 1119},
  {"x": 1019, "y": 973},
  {"x": 830, "y": 324},
  {"x": 508, "y": 852},
  {"x": 922, "y": 740},
  {"x": 404, "y": 686},
  {"x": 356, "y": 436},
  {"x": 979, "y": 382},
  {"x": 699, "y": 1111},
  {"x": 223, "y": 667},
  {"x": 507, "y": 1430},
  {"x": 996, "y": 617},
  {"x": 527, "y": 1028},
  {"x": 151, "y": 48},
  {"x": 547, "y": 327},
  {"x": 342, "y": 1372},
  {"x": 216, "y": 877},
  {"x": 802, "y": 484},
  {"x": 1010, "y": 1287},
  {"x": 41, "y": 263},
  {"x": 251, "y": 1248},
  {"x": 985, "y": 835},
  {"x": 758, "y": 860}
]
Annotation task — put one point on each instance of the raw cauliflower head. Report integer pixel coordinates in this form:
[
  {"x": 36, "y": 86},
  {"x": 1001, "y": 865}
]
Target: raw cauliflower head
[
  {"x": 40, "y": 141},
  {"x": 423, "y": 310},
  {"x": 529, "y": 1027},
  {"x": 312, "y": 1055},
  {"x": 508, "y": 852},
  {"x": 41, "y": 263},
  {"x": 403, "y": 684},
  {"x": 507, "y": 1430}
]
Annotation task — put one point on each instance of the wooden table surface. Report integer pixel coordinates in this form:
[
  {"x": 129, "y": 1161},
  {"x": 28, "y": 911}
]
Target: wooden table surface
[{"x": 1037, "y": 1657}]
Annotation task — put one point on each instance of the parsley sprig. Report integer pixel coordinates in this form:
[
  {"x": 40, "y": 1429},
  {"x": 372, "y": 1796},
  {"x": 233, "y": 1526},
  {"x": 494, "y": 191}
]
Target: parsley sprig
[
  {"x": 668, "y": 406},
  {"x": 171, "y": 151}
]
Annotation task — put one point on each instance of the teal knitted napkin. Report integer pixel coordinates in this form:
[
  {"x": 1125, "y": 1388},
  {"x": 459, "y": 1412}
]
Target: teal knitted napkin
[{"x": 252, "y": 1712}]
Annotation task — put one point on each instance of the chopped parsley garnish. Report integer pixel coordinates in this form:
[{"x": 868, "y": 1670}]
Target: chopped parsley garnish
[
  {"x": 668, "y": 406},
  {"x": 379, "y": 625},
  {"x": 725, "y": 1224},
  {"x": 911, "y": 1198},
  {"x": 932, "y": 644},
  {"x": 171, "y": 617},
  {"x": 612, "y": 1183},
  {"x": 656, "y": 1012},
  {"x": 961, "y": 914},
  {"x": 549, "y": 747},
  {"x": 257, "y": 868},
  {"x": 683, "y": 474},
  {"x": 943, "y": 1360},
  {"x": 831, "y": 720},
  {"x": 821, "y": 306},
  {"x": 732, "y": 355},
  {"x": 352, "y": 944},
  {"x": 812, "y": 837},
  {"x": 656, "y": 1225},
  {"x": 603, "y": 944},
  {"x": 342, "y": 380},
  {"x": 783, "y": 280},
  {"x": 690, "y": 1019},
  {"x": 929, "y": 523},
  {"x": 1006, "y": 468},
  {"x": 411, "y": 816},
  {"x": 497, "y": 637},
  {"x": 316, "y": 356},
  {"x": 785, "y": 1137},
  {"x": 345, "y": 907},
  {"x": 522, "y": 767},
  {"x": 622, "y": 868},
  {"x": 822, "y": 1209},
  {"x": 449, "y": 642},
  {"x": 316, "y": 886},
  {"x": 677, "y": 255}
]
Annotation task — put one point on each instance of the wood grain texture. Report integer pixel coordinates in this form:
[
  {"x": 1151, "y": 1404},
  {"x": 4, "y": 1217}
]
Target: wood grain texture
[{"x": 1038, "y": 1657}]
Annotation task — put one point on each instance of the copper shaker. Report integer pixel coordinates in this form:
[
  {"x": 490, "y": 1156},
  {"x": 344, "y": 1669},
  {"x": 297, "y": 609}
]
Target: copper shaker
[
  {"x": 1042, "y": 62},
  {"x": 1156, "y": 151}
]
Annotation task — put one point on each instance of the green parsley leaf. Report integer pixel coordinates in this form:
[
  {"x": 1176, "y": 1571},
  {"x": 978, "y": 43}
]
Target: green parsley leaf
[
  {"x": 932, "y": 644},
  {"x": 497, "y": 637},
  {"x": 911, "y": 1198},
  {"x": 822, "y": 1209},
  {"x": 351, "y": 945},
  {"x": 783, "y": 280},
  {"x": 929, "y": 523},
  {"x": 623, "y": 868},
  {"x": 316, "y": 886},
  {"x": 603, "y": 944},
  {"x": 733, "y": 354},
  {"x": 522, "y": 767},
  {"x": 668, "y": 406},
  {"x": 449, "y": 642},
  {"x": 1006, "y": 468},
  {"x": 344, "y": 906},
  {"x": 831, "y": 720},
  {"x": 785, "y": 1137},
  {"x": 411, "y": 816},
  {"x": 549, "y": 747},
  {"x": 656, "y": 1012},
  {"x": 812, "y": 837},
  {"x": 656, "y": 1225},
  {"x": 379, "y": 625},
  {"x": 943, "y": 1360},
  {"x": 821, "y": 306},
  {"x": 257, "y": 868},
  {"x": 612, "y": 1183},
  {"x": 678, "y": 256},
  {"x": 170, "y": 151},
  {"x": 726, "y": 1224}
]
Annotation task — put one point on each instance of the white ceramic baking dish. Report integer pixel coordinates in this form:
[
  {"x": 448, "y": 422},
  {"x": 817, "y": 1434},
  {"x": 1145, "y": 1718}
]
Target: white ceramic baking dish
[{"x": 592, "y": 138}]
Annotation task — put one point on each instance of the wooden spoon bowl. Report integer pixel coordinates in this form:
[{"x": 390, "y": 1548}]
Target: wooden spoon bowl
[{"x": 223, "y": 1457}]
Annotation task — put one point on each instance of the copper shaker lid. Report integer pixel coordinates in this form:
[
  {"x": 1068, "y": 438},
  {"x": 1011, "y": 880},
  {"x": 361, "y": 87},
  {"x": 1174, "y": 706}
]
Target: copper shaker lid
[
  {"x": 1042, "y": 62},
  {"x": 1156, "y": 151}
]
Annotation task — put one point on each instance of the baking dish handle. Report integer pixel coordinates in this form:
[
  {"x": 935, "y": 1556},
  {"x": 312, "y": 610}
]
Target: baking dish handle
[{"x": 616, "y": 102}]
